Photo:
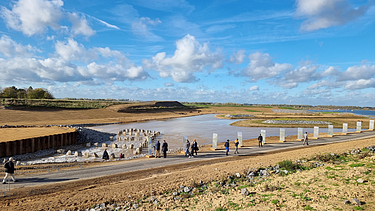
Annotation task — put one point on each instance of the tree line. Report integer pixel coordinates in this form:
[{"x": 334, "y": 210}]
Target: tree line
[{"x": 29, "y": 93}]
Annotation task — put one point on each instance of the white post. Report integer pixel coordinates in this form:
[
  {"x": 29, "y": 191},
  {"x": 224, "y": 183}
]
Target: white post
[
  {"x": 330, "y": 130},
  {"x": 316, "y": 132},
  {"x": 359, "y": 126},
  {"x": 282, "y": 134},
  {"x": 214, "y": 141},
  {"x": 300, "y": 133},
  {"x": 263, "y": 132},
  {"x": 371, "y": 126},
  {"x": 239, "y": 136},
  {"x": 345, "y": 128},
  {"x": 149, "y": 146},
  {"x": 184, "y": 142}
]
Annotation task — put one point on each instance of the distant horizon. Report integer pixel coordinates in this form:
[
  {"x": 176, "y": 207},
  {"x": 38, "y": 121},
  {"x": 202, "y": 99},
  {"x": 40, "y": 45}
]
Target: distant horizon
[{"x": 257, "y": 52}]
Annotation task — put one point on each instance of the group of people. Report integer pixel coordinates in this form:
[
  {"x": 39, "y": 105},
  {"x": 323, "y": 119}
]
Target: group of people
[
  {"x": 164, "y": 149},
  {"x": 226, "y": 145},
  {"x": 193, "y": 146}
]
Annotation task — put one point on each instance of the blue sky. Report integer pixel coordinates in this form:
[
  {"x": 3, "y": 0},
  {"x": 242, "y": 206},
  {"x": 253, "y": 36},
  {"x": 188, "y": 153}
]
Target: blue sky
[{"x": 250, "y": 51}]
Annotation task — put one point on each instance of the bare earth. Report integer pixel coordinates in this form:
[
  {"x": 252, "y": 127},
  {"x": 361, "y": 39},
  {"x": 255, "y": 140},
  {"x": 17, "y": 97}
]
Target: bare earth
[{"x": 325, "y": 189}]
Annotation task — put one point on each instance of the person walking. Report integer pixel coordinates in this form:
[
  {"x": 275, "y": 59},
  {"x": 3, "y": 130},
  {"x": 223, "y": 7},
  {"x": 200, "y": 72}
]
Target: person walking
[
  {"x": 157, "y": 148},
  {"x": 194, "y": 147},
  {"x": 236, "y": 143},
  {"x": 164, "y": 148},
  {"x": 306, "y": 139},
  {"x": 227, "y": 147},
  {"x": 260, "y": 139},
  {"x": 9, "y": 170},
  {"x": 105, "y": 155},
  {"x": 187, "y": 149}
]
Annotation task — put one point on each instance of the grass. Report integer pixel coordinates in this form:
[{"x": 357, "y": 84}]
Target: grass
[
  {"x": 248, "y": 110},
  {"x": 357, "y": 165}
]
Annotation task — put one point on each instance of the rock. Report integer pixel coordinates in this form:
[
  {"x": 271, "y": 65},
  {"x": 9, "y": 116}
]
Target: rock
[
  {"x": 356, "y": 201},
  {"x": 69, "y": 152},
  {"x": 77, "y": 154},
  {"x": 175, "y": 193},
  {"x": 238, "y": 175},
  {"x": 114, "y": 146},
  {"x": 95, "y": 155},
  {"x": 111, "y": 138},
  {"x": 88, "y": 145},
  {"x": 131, "y": 146},
  {"x": 346, "y": 202},
  {"x": 112, "y": 156},
  {"x": 86, "y": 154},
  {"x": 245, "y": 192},
  {"x": 124, "y": 146},
  {"x": 96, "y": 144},
  {"x": 187, "y": 189},
  {"x": 360, "y": 180},
  {"x": 104, "y": 145},
  {"x": 61, "y": 151}
]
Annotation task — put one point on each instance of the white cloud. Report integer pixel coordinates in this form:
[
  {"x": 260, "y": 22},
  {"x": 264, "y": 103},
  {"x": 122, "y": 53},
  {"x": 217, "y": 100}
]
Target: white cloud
[
  {"x": 322, "y": 14},
  {"x": 238, "y": 57},
  {"x": 10, "y": 48},
  {"x": 262, "y": 67},
  {"x": 190, "y": 57},
  {"x": 141, "y": 27},
  {"x": 80, "y": 25},
  {"x": 105, "y": 23},
  {"x": 33, "y": 16},
  {"x": 361, "y": 84},
  {"x": 254, "y": 88},
  {"x": 168, "y": 84},
  {"x": 357, "y": 72}
]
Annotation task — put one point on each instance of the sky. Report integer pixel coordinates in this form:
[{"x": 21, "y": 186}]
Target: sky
[{"x": 241, "y": 51}]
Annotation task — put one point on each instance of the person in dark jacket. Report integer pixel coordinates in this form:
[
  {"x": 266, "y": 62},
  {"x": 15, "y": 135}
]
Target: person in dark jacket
[
  {"x": 164, "y": 148},
  {"x": 187, "y": 147},
  {"x": 157, "y": 148},
  {"x": 9, "y": 170},
  {"x": 227, "y": 147},
  {"x": 260, "y": 139},
  {"x": 105, "y": 155},
  {"x": 194, "y": 147}
]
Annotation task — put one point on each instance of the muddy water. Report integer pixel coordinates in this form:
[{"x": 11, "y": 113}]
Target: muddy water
[{"x": 201, "y": 128}]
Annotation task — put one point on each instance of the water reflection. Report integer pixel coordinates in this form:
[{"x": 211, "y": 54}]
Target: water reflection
[{"x": 201, "y": 128}]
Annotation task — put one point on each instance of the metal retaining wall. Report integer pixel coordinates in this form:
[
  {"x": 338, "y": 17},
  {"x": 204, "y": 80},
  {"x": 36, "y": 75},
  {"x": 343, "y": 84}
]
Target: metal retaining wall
[{"x": 23, "y": 146}]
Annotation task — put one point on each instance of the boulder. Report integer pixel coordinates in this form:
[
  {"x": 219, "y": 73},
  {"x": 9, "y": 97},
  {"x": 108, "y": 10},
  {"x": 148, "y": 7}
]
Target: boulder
[
  {"x": 95, "y": 155},
  {"x": 245, "y": 192},
  {"x": 77, "y": 154},
  {"x": 111, "y": 138},
  {"x": 61, "y": 151},
  {"x": 356, "y": 201},
  {"x": 69, "y": 152},
  {"x": 104, "y": 145},
  {"x": 114, "y": 146},
  {"x": 124, "y": 146},
  {"x": 96, "y": 144},
  {"x": 86, "y": 154},
  {"x": 131, "y": 146},
  {"x": 112, "y": 156},
  {"x": 88, "y": 145}
]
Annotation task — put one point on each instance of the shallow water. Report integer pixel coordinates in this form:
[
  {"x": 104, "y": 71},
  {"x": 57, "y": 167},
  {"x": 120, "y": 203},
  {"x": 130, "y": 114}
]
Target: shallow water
[{"x": 202, "y": 128}]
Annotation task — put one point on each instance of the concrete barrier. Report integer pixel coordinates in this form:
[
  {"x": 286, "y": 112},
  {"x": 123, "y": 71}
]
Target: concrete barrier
[{"x": 18, "y": 147}]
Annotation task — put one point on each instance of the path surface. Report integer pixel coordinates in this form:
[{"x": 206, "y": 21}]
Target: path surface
[{"x": 141, "y": 164}]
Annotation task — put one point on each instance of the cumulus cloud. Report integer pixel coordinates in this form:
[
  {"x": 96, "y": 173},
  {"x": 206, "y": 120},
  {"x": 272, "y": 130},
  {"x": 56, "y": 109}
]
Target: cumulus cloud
[
  {"x": 261, "y": 66},
  {"x": 10, "y": 48},
  {"x": 190, "y": 57},
  {"x": 238, "y": 57},
  {"x": 322, "y": 14},
  {"x": 72, "y": 62},
  {"x": 80, "y": 25},
  {"x": 357, "y": 72},
  {"x": 361, "y": 84},
  {"x": 254, "y": 88},
  {"x": 33, "y": 16}
]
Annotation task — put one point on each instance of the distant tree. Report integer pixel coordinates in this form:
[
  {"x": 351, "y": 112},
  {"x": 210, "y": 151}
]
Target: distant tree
[
  {"x": 9, "y": 92},
  {"x": 39, "y": 93}
]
